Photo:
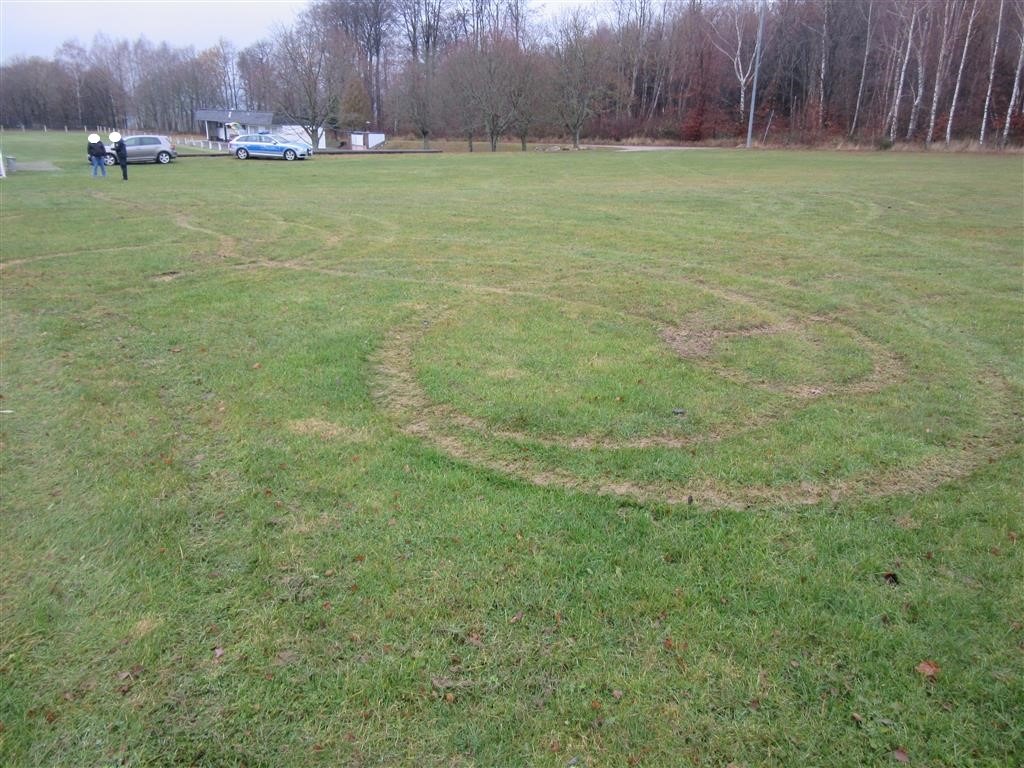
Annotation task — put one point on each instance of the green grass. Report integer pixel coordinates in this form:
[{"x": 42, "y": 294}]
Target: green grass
[{"x": 378, "y": 461}]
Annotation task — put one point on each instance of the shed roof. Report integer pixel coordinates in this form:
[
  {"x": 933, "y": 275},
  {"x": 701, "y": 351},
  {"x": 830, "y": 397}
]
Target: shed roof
[{"x": 235, "y": 116}]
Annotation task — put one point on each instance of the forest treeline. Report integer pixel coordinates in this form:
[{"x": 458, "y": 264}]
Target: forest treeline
[{"x": 812, "y": 71}]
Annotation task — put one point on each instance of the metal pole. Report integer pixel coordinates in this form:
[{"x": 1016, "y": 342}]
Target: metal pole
[{"x": 757, "y": 69}]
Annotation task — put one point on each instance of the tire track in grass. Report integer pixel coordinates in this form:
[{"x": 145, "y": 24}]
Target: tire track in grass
[{"x": 398, "y": 392}]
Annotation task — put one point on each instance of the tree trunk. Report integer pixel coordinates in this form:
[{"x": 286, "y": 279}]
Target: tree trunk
[
  {"x": 821, "y": 70},
  {"x": 903, "y": 74},
  {"x": 1016, "y": 86},
  {"x": 915, "y": 110},
  {"x": 991, "y": 74},
  {"x": 940, "y": 73},
  {"x": 960, "y": 72},
  {"x": 757, "y": 67},
  {"x": 863, "y": 71}
]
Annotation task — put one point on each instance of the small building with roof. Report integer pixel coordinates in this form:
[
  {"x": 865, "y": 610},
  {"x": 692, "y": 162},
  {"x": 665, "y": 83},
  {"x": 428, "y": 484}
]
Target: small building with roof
[{"x": 225, "y": 124}]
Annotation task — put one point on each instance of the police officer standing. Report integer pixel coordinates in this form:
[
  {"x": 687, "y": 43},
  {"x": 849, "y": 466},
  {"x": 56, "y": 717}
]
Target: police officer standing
[{"x": 121, "y": 151}]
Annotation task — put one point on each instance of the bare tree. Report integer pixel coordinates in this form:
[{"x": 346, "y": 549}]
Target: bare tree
[
  {"x": 960, "y": 72},
  {"x": 903, "y": 73},
  {"x": 920, "y": 55},
  {"x": 368, "y": 23},
  {"x": 581, "y": 85},
  {"x": 991, "y": 73},
  {"x": 73, "y": 58},
  {"x": 941, "y": 66},
  {"x": 313, "y": 64},
  {"x": 735, "y": 16},
  {"x": 863, "y": 69},
  {"x": 256, "y": 75},
  {"x": 1016, "y": 78}
]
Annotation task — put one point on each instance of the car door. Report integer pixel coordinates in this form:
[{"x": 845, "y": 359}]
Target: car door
[
  {"x": 148, "y": 148},
  {"x": 274, "y": 147},
  {"x": 259, "y": 146},
  {"x": 133, "y": 148},
  {"x": 250, "y": 143}
]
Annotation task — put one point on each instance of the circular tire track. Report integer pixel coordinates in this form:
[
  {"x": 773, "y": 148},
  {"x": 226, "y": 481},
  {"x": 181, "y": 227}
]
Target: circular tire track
[{"x": 398, "y": 391}]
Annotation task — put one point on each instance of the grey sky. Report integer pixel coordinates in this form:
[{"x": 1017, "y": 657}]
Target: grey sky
[{"x": 39, "y": 27}]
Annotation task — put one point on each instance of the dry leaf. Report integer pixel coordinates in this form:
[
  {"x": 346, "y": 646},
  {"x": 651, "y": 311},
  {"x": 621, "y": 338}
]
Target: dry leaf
[
  {"x": 928, "y": 669},
  {"x": 518, "y": 617},
  {"x": 900, "y": 756}
]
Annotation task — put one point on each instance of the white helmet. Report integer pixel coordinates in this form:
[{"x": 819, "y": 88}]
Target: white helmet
[
  {"x": 93, "y": 138},
  {"x": 115, "y": 136}
]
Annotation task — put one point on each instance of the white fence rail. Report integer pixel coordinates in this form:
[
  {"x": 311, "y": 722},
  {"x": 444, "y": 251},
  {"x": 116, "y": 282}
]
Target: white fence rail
[{"x": 220, "y": 146}]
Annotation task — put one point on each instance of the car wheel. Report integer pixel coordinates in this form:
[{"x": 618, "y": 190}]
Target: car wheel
[
  {"x": 289, "y": 154},
  {"x": 241, "y": 153},
  {"x": 163, "y": 158},
  {"x": 109, "y": 160}
]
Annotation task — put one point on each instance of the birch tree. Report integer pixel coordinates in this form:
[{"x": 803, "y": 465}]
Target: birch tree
[
  {"x": 863, "y": 70},
  {"x": 941, "y": 67},
  {"x": 581, "y": 73},
  {"x": 734, "y": 16},
  {"x": 920, "y": 56},
  {"x": 826, "y": 4},
  {"x": 902, "y": 75},
  {"x": 991, "y": 73},
  {"x": 960, "y": 72},
  {"x": 1016, "y": 78}
]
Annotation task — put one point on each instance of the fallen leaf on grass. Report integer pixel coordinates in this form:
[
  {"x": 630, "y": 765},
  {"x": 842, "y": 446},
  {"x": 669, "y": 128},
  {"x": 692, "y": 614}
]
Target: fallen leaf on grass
[
  {"x": 900, "y": 756},
  {"x": 445, "y": 683},
  {"x": 617, "y": 694},
  {"x": 928, "y": 669},
  {"x": 218, "y": 653},
  {"x": 132, "y": 673},
  {"x": 518, "y": 617}
]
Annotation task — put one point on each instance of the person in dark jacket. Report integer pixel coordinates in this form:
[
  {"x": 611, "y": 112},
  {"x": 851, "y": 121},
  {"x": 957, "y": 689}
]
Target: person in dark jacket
[
  {"x": 97, "y": 152},
  {"x": 122, "y": 154}
]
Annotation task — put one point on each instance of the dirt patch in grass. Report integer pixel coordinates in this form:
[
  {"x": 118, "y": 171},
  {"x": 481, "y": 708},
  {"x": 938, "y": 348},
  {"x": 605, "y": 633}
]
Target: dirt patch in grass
[
  {"x": 698, "y": 343},
  {"x": 329, "y": 431}
]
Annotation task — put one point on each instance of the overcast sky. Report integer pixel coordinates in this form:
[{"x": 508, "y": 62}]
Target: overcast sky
[{"x": 39, "y": 27}]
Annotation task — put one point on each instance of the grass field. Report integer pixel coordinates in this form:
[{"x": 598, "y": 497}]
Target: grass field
[{"x": 548, "y": 459}]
